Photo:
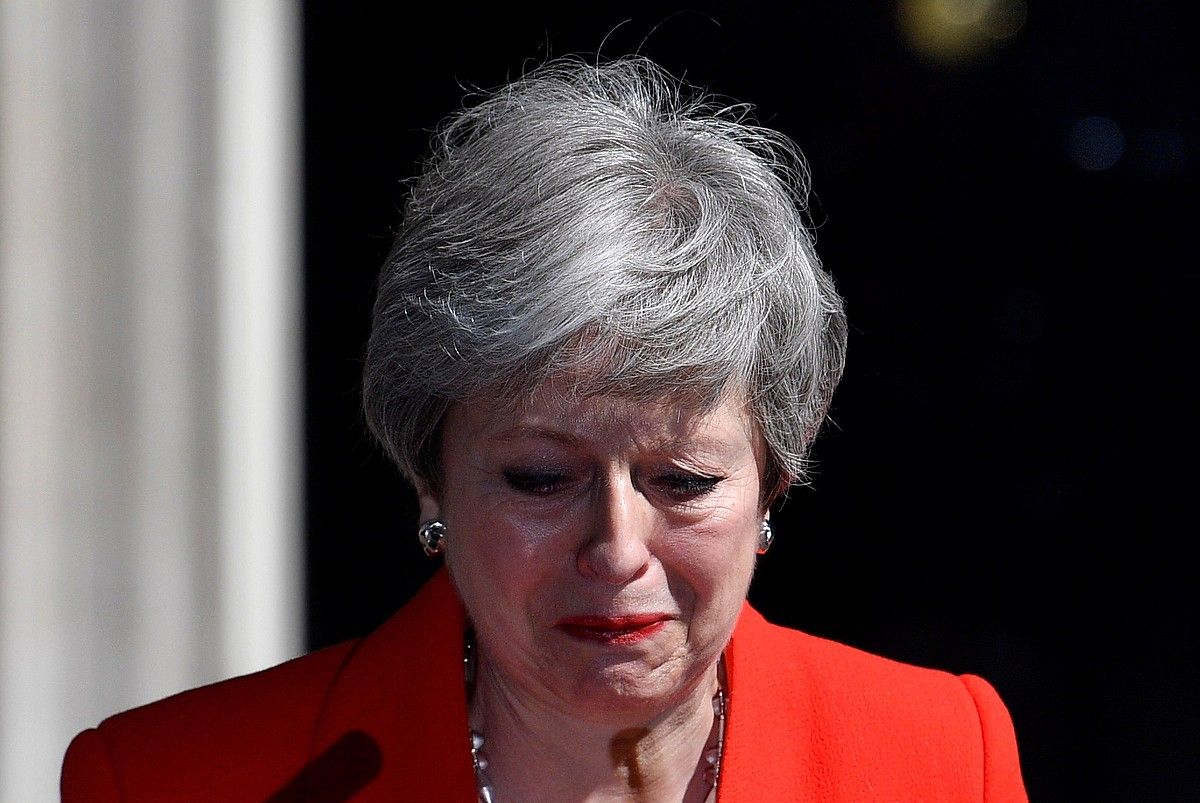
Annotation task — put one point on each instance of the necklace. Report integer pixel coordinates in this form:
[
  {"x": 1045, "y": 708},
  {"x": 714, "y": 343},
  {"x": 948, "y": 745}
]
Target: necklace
[{"x": 710, "y": 758}]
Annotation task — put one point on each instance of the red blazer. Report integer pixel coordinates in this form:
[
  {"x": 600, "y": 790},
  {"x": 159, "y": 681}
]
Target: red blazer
[{"x": 384, "y": 718}]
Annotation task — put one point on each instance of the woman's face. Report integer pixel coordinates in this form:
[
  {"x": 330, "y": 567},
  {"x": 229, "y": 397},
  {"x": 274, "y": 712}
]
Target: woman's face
[{"x": 603, "y": 547}]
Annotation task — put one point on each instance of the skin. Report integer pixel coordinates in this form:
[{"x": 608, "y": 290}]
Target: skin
[{"x": 602, "y": 507}]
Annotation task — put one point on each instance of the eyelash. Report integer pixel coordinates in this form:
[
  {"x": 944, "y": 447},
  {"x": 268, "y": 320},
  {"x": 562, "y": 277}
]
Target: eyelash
[
  {"x": 687, "y": 486},
  {"x": 535, "y": 483},
  {"x": 682, "y": 486}
]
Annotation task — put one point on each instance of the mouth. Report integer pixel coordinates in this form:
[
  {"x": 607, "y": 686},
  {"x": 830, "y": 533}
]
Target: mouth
[{"x": 613, "y": 629}]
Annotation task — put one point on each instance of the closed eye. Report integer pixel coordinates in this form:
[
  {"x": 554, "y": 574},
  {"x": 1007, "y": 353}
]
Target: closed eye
[
  {"x": 536, "y": 483},
  {"x": 686, "y": 486}
]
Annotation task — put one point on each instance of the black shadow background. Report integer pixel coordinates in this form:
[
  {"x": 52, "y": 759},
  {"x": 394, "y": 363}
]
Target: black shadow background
[{"x": 1007, "y": 483}]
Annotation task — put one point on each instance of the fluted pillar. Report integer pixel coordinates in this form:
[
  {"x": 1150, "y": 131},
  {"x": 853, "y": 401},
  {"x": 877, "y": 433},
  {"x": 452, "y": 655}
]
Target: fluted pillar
[{"x": 149, "y": 359}]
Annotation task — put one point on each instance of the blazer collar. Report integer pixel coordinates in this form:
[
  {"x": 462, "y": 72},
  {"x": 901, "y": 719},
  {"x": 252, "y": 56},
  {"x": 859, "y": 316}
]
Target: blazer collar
[
  {"x": 766, "y": 718},
  {"x": 398, "y": 709}
]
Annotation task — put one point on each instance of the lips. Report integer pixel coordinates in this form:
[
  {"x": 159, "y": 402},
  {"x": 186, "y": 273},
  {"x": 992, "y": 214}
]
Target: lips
[{"x": 613, "y": 629}]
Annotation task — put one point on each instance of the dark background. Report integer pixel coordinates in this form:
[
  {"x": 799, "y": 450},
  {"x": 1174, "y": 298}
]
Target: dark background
[{"x": 1006, "y": 484}]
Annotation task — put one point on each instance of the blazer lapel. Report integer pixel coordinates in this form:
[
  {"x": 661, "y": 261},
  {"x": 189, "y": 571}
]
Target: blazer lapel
[
  {"x": 394, "y": 724},
  {"x": 768, "y": 725}
]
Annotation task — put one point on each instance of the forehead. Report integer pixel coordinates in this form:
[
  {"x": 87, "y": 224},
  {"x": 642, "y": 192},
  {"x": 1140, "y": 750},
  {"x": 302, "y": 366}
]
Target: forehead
[{"x": 552, "y": 414}]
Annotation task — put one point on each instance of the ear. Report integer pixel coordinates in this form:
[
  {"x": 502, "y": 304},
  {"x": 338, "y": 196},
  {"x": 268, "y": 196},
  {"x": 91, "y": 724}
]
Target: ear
[{"x": 431, "y": 508}]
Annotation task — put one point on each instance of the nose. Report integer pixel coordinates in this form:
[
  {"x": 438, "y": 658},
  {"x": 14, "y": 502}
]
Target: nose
[{"x": 616, "y": 550}]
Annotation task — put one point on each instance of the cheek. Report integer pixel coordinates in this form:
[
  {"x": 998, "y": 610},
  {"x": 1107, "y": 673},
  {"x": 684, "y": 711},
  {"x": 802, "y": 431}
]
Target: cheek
[
  {"x": 502, "y": 516},
  {"x": 715, "y": 558},
  {"x": 496, "y": 550},
  {"x": 729, "y": 526}
]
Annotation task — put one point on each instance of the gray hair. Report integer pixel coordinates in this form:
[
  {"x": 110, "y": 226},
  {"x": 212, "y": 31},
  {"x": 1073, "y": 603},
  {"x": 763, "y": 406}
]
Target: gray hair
[{"x": 610, "y": 224}]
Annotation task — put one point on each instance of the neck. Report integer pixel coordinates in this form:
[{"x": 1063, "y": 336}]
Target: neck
[{"x": 537, "y": 750}]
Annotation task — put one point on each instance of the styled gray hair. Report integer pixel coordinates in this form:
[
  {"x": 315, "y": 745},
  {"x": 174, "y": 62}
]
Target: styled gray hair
[{"x": 609, "y": 224}]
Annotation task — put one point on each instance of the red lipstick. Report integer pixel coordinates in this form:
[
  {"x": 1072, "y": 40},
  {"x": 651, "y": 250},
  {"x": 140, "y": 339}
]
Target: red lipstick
[{"x": 614, "y": 629}]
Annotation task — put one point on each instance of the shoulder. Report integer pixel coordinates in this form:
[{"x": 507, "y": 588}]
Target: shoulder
[
  {"x": 249, "y": 732},
  {"x": 384, "y": 713},
  {"x": 842, "y": 676},
  {"x": 865, "y": 722},
  {"x": 833, "y": 670}
]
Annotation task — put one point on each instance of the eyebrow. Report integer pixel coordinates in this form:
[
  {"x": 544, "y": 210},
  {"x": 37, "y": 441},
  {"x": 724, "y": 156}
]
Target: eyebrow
[
  {"x": 519, "y": 431},
  {"x": 665, "y": 444}
]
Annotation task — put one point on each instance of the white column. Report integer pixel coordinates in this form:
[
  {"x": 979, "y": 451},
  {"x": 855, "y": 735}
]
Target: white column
[
  {"x": 149, "y": 353},
  {"x": 260, "y": 339}
]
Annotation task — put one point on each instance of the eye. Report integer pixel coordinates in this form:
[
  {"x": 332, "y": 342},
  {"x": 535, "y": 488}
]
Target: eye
[
  {"x": 686, "y": 486},
  {"x": 535, "y": 482}
]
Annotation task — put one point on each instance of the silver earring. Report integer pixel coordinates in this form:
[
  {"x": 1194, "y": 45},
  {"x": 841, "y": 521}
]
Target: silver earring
[
  {"x": 766, "y": 537},
  {"x": 432, "y": 536}
]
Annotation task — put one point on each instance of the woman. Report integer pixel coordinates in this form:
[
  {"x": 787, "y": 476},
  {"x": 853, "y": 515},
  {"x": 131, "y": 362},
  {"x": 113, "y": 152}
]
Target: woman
[{"x": 602, "y": 347}]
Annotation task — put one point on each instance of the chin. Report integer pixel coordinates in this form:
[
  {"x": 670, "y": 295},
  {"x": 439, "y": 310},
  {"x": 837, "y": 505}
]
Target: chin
[{"x": 619, "y": 690}]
